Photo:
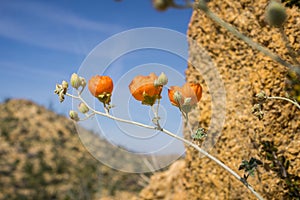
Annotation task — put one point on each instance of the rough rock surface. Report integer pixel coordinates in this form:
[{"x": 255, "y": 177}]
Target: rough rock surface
[
  {"x": 244, "y": 72},
  {"x": 167, "y": 185}
]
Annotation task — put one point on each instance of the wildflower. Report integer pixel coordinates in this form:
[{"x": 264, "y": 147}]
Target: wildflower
[
  {"x": 101, "y": 87},
  {"x": 143, "y": 89},
  {"x": 189, "y": 93}
]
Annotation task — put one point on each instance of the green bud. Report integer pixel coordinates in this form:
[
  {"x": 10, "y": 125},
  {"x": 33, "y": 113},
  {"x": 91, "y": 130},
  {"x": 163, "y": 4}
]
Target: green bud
[
  {"x": 61, "y": 96},
  {"x": 65, "y": 85},
  {"x": 177, "y": 97},
  {"x": 257, "y": 111},
  {"x": 275, "y": 14},
  {"x": 156, "y": 83},
  {"x": 58, "y": 89},
  {"x": 83, "y": 108},
  {"x": 75, "y": 81},
  {"x": 162, "y": 79},
  {"x": 187, "y": 101},
  {"x": 83, "y": 82},
  {"x": 73, "y": 115},
  {"x": 261, "y": 97},
  {"x": 162, "y": 5},
  {"x": 186, "y": 106},
  {"x": 256, "y": 108}
]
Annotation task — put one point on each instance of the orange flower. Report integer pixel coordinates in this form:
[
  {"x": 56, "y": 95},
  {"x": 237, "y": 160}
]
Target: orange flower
[
  {"x": 188, "y": 90},
  {"x": 101, "y": 87},
  {"x": 143, "y": 89}
]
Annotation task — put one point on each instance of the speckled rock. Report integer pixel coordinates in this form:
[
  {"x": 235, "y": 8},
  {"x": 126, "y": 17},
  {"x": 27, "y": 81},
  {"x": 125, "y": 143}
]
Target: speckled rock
[
  {"x": 244, "y": 72},
  {"x": 166, "y": 185}
]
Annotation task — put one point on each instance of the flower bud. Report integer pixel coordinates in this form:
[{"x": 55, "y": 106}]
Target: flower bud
[
  {"x": 83, "y": 108},
  {"x": 261, "y": 97},
  {"x": 162, "y": 5},
  {"x": 275, "y": 14},
  {"x": 145, "y": 89},
  {"x": 156, "y": 83},
  {"x": 65, "y": 85},
  {"x": 75, "y": 81},
  {"x": 256, "y": 108},
  {"x": 73, "y": 115},
  {"x": 187, "y": 101},
  {"x": 58, "y": 88},
  {"x": 83, "y": 82},
  {"x": 61, "y": 96},
  {"x": 177, "y": 97},
  {"x": 162, "y": 79},
  {"x": 257, "y": 111}
]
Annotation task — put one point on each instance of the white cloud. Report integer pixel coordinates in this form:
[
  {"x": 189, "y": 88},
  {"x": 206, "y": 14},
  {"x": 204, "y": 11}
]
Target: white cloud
[
  {"x": 58, "y": 15},
  {"x": 51, "y": 27},
  {"x": 28, "y": 72}
]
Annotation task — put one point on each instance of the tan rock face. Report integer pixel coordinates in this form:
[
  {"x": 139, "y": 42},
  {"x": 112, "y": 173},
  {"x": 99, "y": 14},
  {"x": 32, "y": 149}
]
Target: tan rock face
[
  {"x": 166, "y": 185},
  {"x": 244, "y": 72}
]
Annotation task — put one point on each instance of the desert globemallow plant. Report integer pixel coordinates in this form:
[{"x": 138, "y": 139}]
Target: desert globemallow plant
[{"x": 147, "y": 89}]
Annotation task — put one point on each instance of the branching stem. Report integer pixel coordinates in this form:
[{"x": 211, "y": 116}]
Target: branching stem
[
  {"x": 288, "y": 46},
  {"x": 246, "y": 39},
  {"x": 200, "y": 150},
  {"x": 286, "y": 99}
]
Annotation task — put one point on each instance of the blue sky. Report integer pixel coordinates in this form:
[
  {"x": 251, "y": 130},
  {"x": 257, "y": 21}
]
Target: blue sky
[{"x": 44, "y": 42}]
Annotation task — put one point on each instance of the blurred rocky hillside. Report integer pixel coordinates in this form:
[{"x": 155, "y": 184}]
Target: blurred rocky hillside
[{"x": 41, "y": 157}]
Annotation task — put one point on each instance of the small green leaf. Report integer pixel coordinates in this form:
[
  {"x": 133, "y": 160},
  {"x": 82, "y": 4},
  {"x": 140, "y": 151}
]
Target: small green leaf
[{"x": 199, "y": 134}]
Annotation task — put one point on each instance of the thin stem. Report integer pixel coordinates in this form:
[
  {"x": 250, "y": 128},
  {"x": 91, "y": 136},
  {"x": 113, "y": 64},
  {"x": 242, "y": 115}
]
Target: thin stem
[
  {"x": 82, "y": 88},
  {"x": 154, "y": 111},
  {"x": 288, "y": 46},
  {"x": 200, "y": 150},
  {"x": 213, "y": 159},
  {"x": 149, "y": 165},
  {"x": 246, "y": 39},
  {"x": 187, "y": 122},
  {"x": 187, "y": 4},
  {"x": 73, "y": 96},
  {"x": 286, "y": 99},
  {"x": 155, "y": 120},
  {"x": 157, "y": 107},
  {"x": 110, "y": 116},
  {"x": 87, "y": 116}
]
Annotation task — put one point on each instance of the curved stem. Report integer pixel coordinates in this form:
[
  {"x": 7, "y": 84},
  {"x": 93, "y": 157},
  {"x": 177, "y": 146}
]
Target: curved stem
[
  {"x": 110, "y": 116},
  {"x": 200, "y": 150},
  {"x": 87, "y": 116},
  {"x": 246, "y": 39},
  {"x": 73, "y": 96},
  {"x": 187, "y": 4},
  {"x": 187, "y": 122},
  {"x": 213, "y": 159},
  {"x": 288, "y": 46},
  {"x": 286, "y": 99},
  {"x": 157, "y": 107}
]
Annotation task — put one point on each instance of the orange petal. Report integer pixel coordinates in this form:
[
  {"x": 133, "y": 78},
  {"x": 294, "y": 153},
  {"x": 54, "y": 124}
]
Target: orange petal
[{"x": 100, "y": 84}]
